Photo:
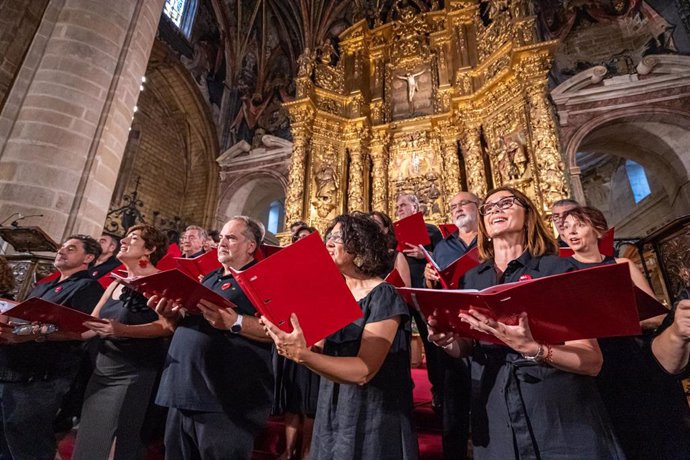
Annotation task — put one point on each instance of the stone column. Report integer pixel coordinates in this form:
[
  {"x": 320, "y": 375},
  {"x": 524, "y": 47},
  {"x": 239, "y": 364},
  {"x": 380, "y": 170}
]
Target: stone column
[
  {"x": 64, "y": 126},
  {"x": 474, "y": 165},
  {"x": 447, "y": 138}
]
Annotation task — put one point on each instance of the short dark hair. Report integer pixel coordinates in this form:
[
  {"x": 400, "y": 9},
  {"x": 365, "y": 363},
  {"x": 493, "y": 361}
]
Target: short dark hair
[
  {"x": 298, "y": 223},
  {"x": 254, "y": 230},
  {"x": 116, "y": 239},
  {"x": 589, "y": 216},
  {"x": 154, "y": 240},
  {"x": 91, "y": 246},
  {"x": 565, "y": 202},
  {"x": 295, "y": 236},
  {"x": 364, "y": 239},
  {"x": 388, "y": 224},
  {"x": 214, "y": 235}
]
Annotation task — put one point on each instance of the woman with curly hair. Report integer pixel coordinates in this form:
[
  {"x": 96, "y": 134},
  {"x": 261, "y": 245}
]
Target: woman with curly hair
[
  {"x": 131, "y": 351},
  {"x": 365, "y": 400},
  {"x": 398, "y": 260}
]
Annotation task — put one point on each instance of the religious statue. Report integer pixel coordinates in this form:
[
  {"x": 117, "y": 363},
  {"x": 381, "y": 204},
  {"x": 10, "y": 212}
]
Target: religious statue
[
  {"x": 412, "y": 84},
  {"x": 326, "y": 179},
  {"x": 305, "y": 63}
]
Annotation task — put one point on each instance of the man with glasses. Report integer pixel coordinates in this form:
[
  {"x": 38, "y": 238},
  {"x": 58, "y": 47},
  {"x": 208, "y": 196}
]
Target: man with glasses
[
  {"x": 558, "y": 210},
  {"x": 456, "y": 381}
]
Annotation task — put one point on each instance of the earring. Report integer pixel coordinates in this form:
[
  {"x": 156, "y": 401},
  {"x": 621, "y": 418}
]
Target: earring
[{"x": 358, "y": 261}]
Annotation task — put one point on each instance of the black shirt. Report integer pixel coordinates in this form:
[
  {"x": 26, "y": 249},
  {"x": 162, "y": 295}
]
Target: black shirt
[
  {"x": 33, "y": 360},
  {"x": 450, "y": 249},
  {"x": 417, "y": 265},
  {"x": 211, "y": 370},
  {"x": 105, "y": 268}
]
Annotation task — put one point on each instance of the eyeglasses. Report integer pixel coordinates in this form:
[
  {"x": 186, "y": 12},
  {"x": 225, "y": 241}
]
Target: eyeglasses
[
  {"x": 502, "y": 204},
  {"x": 461, "y": 203},
  {"x": 336, "y": 237},
  {"x": 557, "y": 217}
]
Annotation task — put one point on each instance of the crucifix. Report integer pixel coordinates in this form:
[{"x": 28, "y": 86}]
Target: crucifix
[{"x": 412, "y": 85}]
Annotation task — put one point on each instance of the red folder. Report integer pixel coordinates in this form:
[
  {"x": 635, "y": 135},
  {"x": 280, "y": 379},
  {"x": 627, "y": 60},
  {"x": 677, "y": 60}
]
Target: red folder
[
  {"x": 199, "y": 266},
  {"x": 411, "y": 230},
  {"x": 648, "y": 306},
  {"x": 450, "y": 276},
  {"x": 301, "y": 279},
  {"x": 178, "y": 286},
  {"x": 605, "y": 245},
  {"x": 591, "y": 303},
  {"x": 38, "y": 310},
  {"x": 394, "y": 279},
  {"x": 167, "y": 262},
  {"x": 447, "y": 229},
  {"x": 266, "y": 250},
  {"x": 106, "y": 280}
]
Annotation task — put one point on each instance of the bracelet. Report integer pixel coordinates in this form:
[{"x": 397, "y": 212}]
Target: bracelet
[
  {"x": 538, "y": 356},
  {"x": 548, "y": 359}
]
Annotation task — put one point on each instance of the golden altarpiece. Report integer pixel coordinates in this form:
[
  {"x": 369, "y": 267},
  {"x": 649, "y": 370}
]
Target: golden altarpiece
[{"x": 429, "y": 103}]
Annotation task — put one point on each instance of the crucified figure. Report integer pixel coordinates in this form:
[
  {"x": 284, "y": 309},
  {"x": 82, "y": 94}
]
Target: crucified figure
[{"x": 412, "y": 85}]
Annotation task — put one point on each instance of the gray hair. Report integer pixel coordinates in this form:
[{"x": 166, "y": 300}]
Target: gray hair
[
  {"x": 201, "y": 231},
  {"x": 253, "y": 229},
  {"x": 410, "y": 196},
  {"x": 565, "y": 202}
]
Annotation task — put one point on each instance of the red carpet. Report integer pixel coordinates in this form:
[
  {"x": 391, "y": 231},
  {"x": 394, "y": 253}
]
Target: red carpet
[{"x": 270, "y": 444}]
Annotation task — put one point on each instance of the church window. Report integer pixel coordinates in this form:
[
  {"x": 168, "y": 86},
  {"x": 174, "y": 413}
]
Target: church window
[
  {"x": 181, "y": 13},
  {"x": 638, "y": 180},
  {"x": 275, "y": 212}
]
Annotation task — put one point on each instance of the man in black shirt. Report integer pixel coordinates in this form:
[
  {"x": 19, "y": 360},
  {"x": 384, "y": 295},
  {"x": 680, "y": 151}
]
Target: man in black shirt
[
  {"x": 107, "y": 261},
  {"x": 37, "y": 370},
  {"x": 217, "y": 381},
  {"x": 456, "y": 383},
  {"x": 406, "y": 205},
  {"x": 192, "y": 241}
]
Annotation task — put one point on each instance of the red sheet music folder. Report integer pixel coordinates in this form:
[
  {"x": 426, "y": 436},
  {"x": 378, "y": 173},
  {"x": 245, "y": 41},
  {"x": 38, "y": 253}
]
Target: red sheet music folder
[
  {"x": 394, "y": 279},
  {"x": 266, "y": 250},
  {"x": 591, "y": 303},
  {"x": 411, "y": 230},
  {"x": 301, "y": 279},
  {"x": 199, "y": 266},
  {"x": 447, "y": 230},
  {"x": 167, "y": 262},
  {"x": 38, "y": 310},
  {"x": 176, "y": 285},
  {"x": 605, "y": 245},
  {"x": 450, "y": 276}
]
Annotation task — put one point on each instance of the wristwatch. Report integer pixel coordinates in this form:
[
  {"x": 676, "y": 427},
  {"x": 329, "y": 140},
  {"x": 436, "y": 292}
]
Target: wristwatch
[{"x": 237, "y": 327}]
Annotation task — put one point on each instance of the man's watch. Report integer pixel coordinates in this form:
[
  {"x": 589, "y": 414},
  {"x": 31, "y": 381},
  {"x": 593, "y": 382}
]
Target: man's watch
[{"x": 237, "y": 327}]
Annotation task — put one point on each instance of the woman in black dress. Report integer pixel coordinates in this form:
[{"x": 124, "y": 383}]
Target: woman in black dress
[
  {"x": 130, "y": 355},
  {"x": 365, "y": 400},
  {"x": 649, "y": 412},
  {"x": 532, "y": 400}
]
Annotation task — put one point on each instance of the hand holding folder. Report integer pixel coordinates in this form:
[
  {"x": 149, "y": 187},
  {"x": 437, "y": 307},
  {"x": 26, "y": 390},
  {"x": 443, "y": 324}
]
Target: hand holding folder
[
  {"x": 411, "y": 230},
  {"x": 591, "y": 303},
  {"x": 36, "y": 310},
  {"x": 450, "y": 276},
  {"x": 200, "y": 266},
  {"x": 177, "y": 286},
  {"x": 301, "y": 279}
]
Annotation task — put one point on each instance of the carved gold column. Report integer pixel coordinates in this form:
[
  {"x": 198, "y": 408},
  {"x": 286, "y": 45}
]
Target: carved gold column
[
  {"x": 301, "y": 118},
  {"x": 551, "y": 184},
  {"x": 379, "y": 157},
  {"x": 355, "y": 188},
  {"x": 474, "y": 165},
  {"x": 447, "y": 135}
]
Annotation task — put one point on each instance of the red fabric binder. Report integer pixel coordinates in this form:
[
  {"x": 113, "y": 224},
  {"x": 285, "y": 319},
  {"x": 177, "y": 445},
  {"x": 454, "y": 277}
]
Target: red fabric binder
[
  {"x": 648, "y": 306},
  {"x": 591, "y": 303},
  {"x": 167, "y": 262},
  {"x": 450, "y": 276},
  {"x": 199, "y": 266},
  {"x": 447, "y": 230},
  {"x": 38, "y": 310},
  {"x": 605, "y": 245},
  {"x": 266, "y": 250},
  {"x": 301, "y": 279},
  {"x": 176, "y": 285},
  {"x": 411, "y": 230},
  {"x": 106, "y": 280},
  {"x": 394, "y": 279}
]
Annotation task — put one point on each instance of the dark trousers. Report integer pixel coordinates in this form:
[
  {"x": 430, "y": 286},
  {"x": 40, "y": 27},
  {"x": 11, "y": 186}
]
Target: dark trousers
[
  {"x": 191, "y": 435},
  {"x": 434, "y": 365},
  {"x": 457, "y": 387},
  {"x": 28, "y": 411},
  {"x": 115, "y": 404}
]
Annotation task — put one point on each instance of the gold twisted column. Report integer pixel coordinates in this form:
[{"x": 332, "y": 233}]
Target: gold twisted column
[
  {"x": 474, "y": 165},
  {"x": 379, "y": 186},
  {"x": 451, "y": 165},
  {"x": 355, "y": 192},
  {"x": 294, "y": 199}
]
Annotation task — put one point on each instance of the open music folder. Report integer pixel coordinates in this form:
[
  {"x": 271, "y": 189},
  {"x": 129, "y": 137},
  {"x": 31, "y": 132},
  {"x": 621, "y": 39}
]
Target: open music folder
[
  {"x": 66, "y": 319},
  {"x": 411, "y": 230},
  {"x": 590, "y": 303},
  {"x": 265, "y": 251},
  {"x": 301, "y": 279},
  {"x": 199, "y": 266},
  {"x": 177, "y": 286},
  {"x": 605, "y": 245},
  {"x": 447, "y": 229},
  {"x": 450, "y": 276}
]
